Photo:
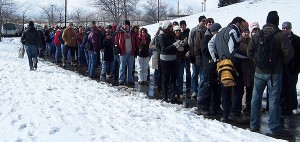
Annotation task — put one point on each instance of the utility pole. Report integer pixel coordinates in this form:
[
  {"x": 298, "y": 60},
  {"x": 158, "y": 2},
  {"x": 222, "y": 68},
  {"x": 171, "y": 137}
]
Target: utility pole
[
  {"x": 178, "y": 8},
  {"x": 125, "y": 10},
  {"x": 65, "y": 13},
  {"x": 157, "y": 11},
  {"x": 52, "y": 18},
  {"x": 204, "y": 5}
]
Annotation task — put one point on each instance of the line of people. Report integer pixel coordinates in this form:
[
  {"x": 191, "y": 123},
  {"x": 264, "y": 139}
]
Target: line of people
[{"x": 176, "y": 49}]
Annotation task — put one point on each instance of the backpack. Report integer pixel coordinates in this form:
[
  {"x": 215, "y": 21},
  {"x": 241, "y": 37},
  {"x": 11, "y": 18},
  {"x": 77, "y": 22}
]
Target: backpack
[
  {"x": 227, "y": 73},
  {"x": 266, "y": 55}
]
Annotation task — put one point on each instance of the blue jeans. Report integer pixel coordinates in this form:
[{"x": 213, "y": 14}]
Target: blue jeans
[
  {"x": 31, "y": 51},
  {"x": 180, "y": 73},
  {"x": 58, "y": 53},
  {"x": 260, "y": 82},
  {"x": 195, "y": 75},
  {"x": 128, "y": 60},
  {"x": 81, "y": 56},
  {"x": 92, "y": 63},
  {"x": 188, "y": 73},
  {"x": 107, "y": 67}
]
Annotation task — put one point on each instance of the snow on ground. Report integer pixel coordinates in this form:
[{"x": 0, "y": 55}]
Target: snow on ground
[{"x": 53, "y": 104}]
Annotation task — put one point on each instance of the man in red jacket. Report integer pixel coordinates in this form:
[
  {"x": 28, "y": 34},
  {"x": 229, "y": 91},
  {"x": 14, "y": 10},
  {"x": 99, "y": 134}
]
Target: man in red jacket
[{"x": 126, "y": 41}]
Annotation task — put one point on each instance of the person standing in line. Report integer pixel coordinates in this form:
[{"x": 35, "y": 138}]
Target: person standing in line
[
  {"x": 127, "y": 42},
  {"x": 210, "y": 92},
  {"x": 294, "y": 69},
  {"x": 226, "y": 45},
  {"x": 269, "y": 75},
  {"x": 69, "y": 37},
  {"x": 31, "y": 39},
  {"x": 195, "y": 58}
]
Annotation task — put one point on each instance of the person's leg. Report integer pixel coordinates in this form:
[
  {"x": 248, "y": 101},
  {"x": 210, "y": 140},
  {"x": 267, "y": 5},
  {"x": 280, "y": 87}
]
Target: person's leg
[
  {"x": 260, "y": 82},
  {"x": 274, "y": 108}
]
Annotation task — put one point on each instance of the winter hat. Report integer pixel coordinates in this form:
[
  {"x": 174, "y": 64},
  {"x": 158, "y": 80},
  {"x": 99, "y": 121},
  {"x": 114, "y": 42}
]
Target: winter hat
[
  {"x": 253, "y": 26},
  {"x": 273, "y": 18},
  {"x": 287, "y": 25},
  {"x": 215, "y": 27},
  {"x": 31, "y": 23},
  {"x": 176, "y": 28},
  {"x": 127, "y": 22},
  {"x": 201, "y": 18},
  {"x": 166, "y": 24},
  {"x": 245, "y": 27}
]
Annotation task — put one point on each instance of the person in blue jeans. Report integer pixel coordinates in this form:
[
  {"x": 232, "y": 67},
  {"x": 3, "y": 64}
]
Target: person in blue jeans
[
  {"x": 269, "y": 75},
  {"x": 31, "y": 39},
  {"x": 126, "y": 41}
]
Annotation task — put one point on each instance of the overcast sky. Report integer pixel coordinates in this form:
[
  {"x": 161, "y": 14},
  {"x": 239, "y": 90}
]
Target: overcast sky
[{"x": 73, "y": 4}]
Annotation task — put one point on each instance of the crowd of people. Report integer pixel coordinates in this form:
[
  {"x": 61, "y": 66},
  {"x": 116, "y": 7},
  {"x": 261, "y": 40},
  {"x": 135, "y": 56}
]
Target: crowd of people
[{"x": 176, "y": 51}]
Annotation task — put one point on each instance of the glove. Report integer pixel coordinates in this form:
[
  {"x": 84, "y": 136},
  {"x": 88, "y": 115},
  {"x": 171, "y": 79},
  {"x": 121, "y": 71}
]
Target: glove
[{"x": 176, "y": 43}]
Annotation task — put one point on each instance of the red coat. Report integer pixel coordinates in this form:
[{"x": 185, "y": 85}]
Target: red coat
[
  {"x": 120, "y": 42},
  {"x": 56, "y": 40}
]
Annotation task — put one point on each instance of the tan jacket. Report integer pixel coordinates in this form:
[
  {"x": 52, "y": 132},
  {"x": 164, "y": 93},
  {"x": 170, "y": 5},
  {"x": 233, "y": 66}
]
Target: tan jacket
[{"x": 69, "y": 36}]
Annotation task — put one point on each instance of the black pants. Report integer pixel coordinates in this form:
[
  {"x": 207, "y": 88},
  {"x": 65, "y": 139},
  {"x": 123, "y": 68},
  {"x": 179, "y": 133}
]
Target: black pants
[{"x": 169, "y": 72}]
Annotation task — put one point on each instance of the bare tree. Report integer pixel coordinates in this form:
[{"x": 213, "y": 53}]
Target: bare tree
[
  {"x": 23, "y": 10},
  {"x": 151, "y": 8},
  {"x": 77, "y": 15},
  {"x": 116, "y": 8}
]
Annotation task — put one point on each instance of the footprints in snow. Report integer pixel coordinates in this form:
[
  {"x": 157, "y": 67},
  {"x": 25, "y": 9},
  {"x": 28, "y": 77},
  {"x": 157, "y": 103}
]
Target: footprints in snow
[{"x": 54, "y": 130}]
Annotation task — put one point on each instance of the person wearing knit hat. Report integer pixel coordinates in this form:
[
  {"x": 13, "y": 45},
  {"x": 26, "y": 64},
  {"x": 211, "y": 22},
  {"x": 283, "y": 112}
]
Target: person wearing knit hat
[
  {"x": 31, "y": 39},
  {"x": 209, "y": 84},
  {"x": 295, "y": 64},
  {"x": 215, "y": 27},
  {"x": 282, "y": 53},
  {"x": 273, "y": 18},
  {"x": 287, "y": 25},
  {"x": 168, "y": 50},
  {"x": 166, "y": 24},
  {"x": 254, "y": 27},
  {"x": 196, "y": 56}
]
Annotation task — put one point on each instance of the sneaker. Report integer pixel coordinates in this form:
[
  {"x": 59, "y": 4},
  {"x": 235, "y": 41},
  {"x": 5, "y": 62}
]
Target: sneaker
[
  {"x": 34, "y": 64},
  {"x": 237, "y": 119},
  {"x": 194, "y": 95},
  {"x": 296, "y": 111}
]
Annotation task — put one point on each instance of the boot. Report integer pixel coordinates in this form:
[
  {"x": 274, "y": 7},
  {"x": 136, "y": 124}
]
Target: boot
[
  {"x": 35, "y": 64},
  {"x": 73, "y": 63},
  {"x": 63, "y": 62}
]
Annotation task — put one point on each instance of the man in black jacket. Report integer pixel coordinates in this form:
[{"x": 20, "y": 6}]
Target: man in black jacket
[
  {"x": 31, "y": 39},
  {"x": 269, "y": 74},
  {"x": 294, "y": 69},
  {"x": 210, "y": 87}
]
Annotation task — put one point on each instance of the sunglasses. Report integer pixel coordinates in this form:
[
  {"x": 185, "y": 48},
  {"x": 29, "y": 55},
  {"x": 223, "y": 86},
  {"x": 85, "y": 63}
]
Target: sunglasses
[{"x": 177, "y": 31}]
